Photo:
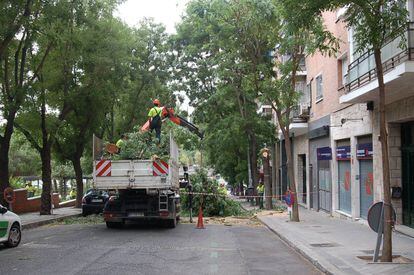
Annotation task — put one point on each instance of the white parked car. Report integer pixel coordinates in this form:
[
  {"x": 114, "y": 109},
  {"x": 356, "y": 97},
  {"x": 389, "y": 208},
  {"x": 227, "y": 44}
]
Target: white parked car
[{"x": 10, "y": 228}]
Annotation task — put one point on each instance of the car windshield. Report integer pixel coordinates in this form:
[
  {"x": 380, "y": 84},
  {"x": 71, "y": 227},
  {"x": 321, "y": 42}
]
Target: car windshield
[{"x": 96, "y": 192}]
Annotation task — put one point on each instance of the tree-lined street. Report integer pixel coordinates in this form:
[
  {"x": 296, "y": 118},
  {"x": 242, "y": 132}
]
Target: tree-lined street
[{"x": 296, "y": 106}]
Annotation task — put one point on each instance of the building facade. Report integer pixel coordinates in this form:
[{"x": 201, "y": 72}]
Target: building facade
[{"x": 336, "y": 151}]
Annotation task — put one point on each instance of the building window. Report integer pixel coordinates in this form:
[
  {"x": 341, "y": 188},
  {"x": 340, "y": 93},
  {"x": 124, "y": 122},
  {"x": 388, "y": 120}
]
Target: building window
[
  {"x": 319, "y": 88},
  {"x": 342, "y": 71},
  {"x": 309, "y": 93}
]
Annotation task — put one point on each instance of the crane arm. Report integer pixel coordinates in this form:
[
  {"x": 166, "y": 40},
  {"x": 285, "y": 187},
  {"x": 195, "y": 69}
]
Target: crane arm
[{"x": 177, "y": 119}]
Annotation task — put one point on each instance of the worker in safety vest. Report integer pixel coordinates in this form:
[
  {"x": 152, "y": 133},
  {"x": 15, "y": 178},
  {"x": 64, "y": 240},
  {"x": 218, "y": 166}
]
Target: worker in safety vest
[
  {"x": 154, "y": 116},
  {"x": 72, "y": 193},
  {"x": 260, "y": 192},
  {"x": 30, "y": 190},
  {"x": 121, "y": 142}
]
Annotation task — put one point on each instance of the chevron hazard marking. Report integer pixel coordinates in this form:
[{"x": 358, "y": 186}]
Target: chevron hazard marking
[
  {"x": 160, "y": 168},
  {"x": 103, "y": 168}
]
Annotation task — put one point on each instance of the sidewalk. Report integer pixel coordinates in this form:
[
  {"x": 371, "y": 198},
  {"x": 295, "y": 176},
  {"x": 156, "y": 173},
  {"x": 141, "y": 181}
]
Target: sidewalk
[
  {"x": 333, "y": 244},
  {"x": 32, "y": 220}
]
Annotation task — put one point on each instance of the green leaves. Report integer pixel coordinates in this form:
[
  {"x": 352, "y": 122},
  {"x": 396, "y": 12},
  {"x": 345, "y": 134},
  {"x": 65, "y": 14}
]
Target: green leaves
[{"x": 221, "y": 48}]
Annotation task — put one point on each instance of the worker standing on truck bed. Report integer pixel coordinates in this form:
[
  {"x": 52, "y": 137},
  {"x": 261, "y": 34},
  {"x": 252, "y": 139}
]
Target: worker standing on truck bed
[
  {"x": 121, "y": 142},
  {"x": 154, "y": 116}
]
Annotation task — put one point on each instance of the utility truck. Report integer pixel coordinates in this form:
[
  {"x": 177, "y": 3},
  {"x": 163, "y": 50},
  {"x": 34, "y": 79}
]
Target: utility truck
[{"x": 141, "y": 189}]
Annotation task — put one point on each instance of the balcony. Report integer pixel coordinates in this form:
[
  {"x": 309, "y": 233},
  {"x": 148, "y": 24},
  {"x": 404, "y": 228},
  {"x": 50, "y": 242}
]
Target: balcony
[
  {"x": 398, "y": 66},
  {"x": 300, "y": 113}
]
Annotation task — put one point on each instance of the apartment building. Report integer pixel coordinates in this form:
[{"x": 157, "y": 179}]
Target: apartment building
[
  {"x": 361, "y": 87},
  {"x": 335, "y": 128}
]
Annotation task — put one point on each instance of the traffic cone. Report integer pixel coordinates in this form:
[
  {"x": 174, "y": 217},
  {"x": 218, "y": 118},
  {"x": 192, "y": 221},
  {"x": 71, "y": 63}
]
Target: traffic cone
[{"x": 200, "y": 223}]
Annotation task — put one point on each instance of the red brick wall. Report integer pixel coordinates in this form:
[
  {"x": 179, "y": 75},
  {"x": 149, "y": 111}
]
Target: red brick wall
[
  {"x": 25, "y": 205},
  {"x": 327, "y": 66}
]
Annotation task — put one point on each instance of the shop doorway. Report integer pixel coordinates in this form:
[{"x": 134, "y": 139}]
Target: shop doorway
[
  {"x": 366, "y": 180},
  {"x": 302, "y": 178},
  {"x": 407, "y": 150},
  {"x": 366, "y": 175},
  {"x": 324, "y": 183},
  {"x": 343, "y": 156}
]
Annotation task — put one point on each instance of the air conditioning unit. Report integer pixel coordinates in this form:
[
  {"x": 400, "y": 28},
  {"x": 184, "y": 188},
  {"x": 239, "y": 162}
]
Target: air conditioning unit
[{"x": 304, "y": 109}]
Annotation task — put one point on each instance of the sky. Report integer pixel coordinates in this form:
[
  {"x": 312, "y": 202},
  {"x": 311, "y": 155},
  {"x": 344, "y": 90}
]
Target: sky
[{"x": 167, "y": 12}]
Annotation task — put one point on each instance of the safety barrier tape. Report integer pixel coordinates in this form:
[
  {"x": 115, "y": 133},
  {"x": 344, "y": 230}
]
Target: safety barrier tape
[
  {"x": 281, "y": 197},
  {"x": 242, "y": 197}
]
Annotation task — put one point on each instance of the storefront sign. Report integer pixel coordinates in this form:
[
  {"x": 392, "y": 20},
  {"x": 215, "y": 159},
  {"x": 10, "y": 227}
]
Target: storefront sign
[
  {"x": 324, "y": 153},
  {"x": 343, "y": 153},
  {"x": 364, "y": 151}
]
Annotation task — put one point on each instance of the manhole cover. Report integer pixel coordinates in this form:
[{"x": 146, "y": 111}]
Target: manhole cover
[{"x": 324, "y": 244}]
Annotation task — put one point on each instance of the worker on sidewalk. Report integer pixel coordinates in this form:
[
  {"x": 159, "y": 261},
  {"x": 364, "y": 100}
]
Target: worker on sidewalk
[
  {"x": 260, "y": 192},
  {"x": 72, "y": 193},
  {"x": 121, "y": 142},
  {"x": 30, "y": 190},
  {"x": 155, "y": 119}
]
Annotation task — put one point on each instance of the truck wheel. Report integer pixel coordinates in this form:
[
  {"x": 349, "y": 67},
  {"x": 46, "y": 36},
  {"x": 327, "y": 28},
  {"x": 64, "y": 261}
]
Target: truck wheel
[
  {"x": 114, "y": 224},
  {"x": 15, "y": 236},
  {"x": 171, "y": 223}
]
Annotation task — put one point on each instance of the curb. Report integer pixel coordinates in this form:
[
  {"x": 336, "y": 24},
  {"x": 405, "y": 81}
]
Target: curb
[
  {"x": 298, "y": 250},
  {"x": 44, "y": 222}
]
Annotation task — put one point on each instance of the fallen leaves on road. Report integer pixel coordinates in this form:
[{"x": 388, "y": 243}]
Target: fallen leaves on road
[
  {"x": 228, "y": 221},
  {"x": 91, "y": 219}
]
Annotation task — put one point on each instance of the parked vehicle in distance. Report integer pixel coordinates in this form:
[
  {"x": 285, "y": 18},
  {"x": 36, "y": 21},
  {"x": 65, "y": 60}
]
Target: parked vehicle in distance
[
  {"x": 94, "y": 201},
  {"x": 10, "y": 228}
]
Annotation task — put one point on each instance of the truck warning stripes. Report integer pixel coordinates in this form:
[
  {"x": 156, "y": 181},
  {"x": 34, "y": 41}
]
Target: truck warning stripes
[
  {"x": 103, "y": 168},
  {"x": 160, "y": 168}
]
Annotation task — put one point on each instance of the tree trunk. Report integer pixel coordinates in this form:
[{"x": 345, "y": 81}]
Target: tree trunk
[
  {"x": 253, "y": 162},
  {"x": 46, "y": 202},
  {"x": 241, "y": 189},
  {"x": 267, "y": 183},
  {"x": 274, "y": 170},
  {"x": 65, "y": 188},
  {"x": 55, "y": 186},
  {"x": 292, "y": 183},
  {"x": 387, "y": 247},
  {"x": 46, "y": 156},
  {"x": 4, "y": 155},
  {"x": 79, "y": 181}
]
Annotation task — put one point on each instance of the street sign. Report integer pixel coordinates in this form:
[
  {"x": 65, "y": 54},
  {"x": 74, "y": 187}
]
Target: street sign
[
  {"x": 376, "y": 222},
  {"x": 374, "y": 216},
  {"x": 9, "y": 195}
]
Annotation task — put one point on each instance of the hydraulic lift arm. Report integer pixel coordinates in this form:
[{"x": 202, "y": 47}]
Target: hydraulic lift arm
[{"x": 177, "y": 119}]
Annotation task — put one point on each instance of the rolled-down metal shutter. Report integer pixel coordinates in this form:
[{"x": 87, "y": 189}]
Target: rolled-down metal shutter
[
  {"x": 366, "y": 186},
  {"x": 344, "y": 185}
]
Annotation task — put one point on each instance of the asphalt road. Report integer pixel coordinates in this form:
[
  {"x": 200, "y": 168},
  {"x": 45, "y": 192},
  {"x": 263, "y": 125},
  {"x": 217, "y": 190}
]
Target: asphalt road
[{"x": 94, "y": 249}]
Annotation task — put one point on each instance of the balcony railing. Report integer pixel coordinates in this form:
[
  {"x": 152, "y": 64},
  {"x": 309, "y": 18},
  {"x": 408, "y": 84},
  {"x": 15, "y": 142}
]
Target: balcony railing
[
  {"x": 362, "y": 71},
  {"x": 300, "y": 113}
]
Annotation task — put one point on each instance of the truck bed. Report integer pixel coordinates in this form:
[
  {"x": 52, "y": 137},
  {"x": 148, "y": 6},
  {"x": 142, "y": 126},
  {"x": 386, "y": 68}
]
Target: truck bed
[{"x": 138, "y": 174}]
